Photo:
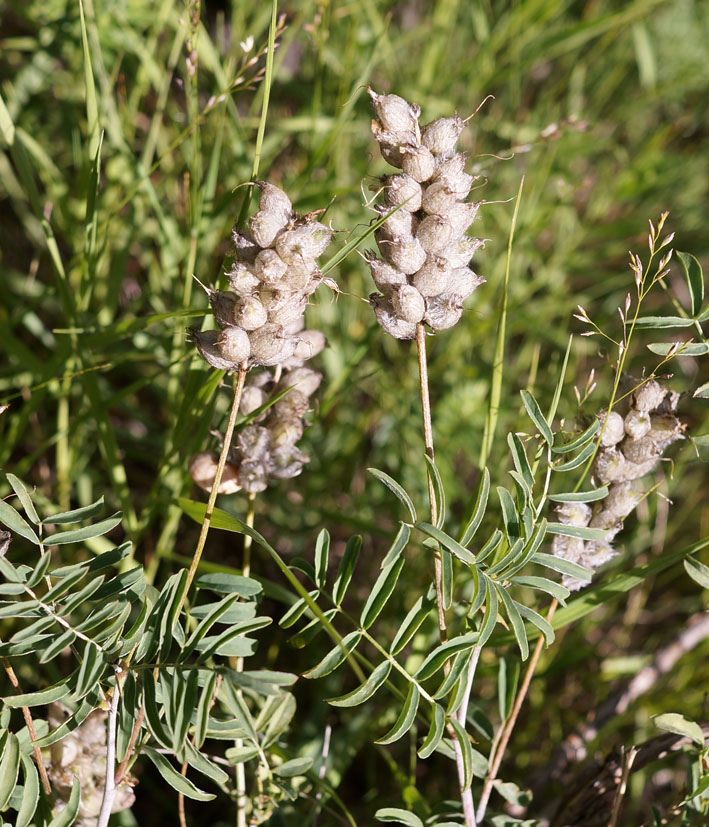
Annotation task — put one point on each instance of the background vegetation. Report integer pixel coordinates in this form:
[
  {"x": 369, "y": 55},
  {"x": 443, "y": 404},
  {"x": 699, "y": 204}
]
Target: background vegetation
[{"x": 601, "y": 106}]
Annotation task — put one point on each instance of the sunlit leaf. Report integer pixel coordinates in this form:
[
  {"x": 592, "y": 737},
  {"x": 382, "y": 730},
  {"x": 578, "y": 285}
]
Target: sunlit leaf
[{"x": 366, "y": 690}]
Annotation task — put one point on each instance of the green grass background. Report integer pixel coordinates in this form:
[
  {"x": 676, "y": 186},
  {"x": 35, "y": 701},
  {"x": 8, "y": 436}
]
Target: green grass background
[{"x": 118, "y": 177}]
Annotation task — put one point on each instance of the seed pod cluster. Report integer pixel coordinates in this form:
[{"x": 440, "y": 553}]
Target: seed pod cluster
[
  {"x": 423, "y": 273},
  {"x": 631, "y": 447},
  {"x": 260, "y": 318}
]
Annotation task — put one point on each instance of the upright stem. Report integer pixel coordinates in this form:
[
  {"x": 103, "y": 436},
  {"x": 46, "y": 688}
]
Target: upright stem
[
  {"x": 238, "y": 390},
  {"x": 428, "y": 441},
  {"x": 109, "y": 790},
  {"x": 512, "y": 720}
]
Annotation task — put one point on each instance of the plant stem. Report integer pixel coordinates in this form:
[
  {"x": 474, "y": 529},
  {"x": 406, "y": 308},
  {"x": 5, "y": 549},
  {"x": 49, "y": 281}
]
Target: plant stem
[
  {"x": 512, "y": 720},
  {"x": 462, "y": 715},
  {"x": 109, "y": 789},
  {"x": 428, "y": 441},
  {"x": 238, "y": 390}
]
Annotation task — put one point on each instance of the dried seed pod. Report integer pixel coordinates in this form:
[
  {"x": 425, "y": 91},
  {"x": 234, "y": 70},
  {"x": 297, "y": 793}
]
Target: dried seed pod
[
  {"x": 443, "y": 312},
  {"x": 265, "y": 226},
  {"x": 637, "y": 470},
  {"x": 250, "y": 313},
  {"x": 648, "y": 396},
  {"x": 388, "y": 320},
  {"x": 245, "y": 246},
  {"x": 254, "y": 476},
  {"x": 267, "y": 345},
  {"x": 402, "y": 190},
  {"x": 273, "y": 199},
  {"x": 306, "y": 241},
  {"x": 669, "y": 403},
  {"x": 291, "y": 307},
  {"x": 405, "y": 255},
  {"x": 463, "y": 282},
  {"x": 622, "y": 498},
  {"x": 441, "y": 136},
  {"x": 637, "y": 424},
  {"x": 292, "y": 406},
  {"x": 305, "y": 380},
  {"x": 269, "y": 266},
  {"x": 597, "y": 554},
  {"x": 408, "y": 303},
  {"x": 202, "y": 467},
  {"x": 286, "y": 462},
  {"x": 390, "y": 144},
  {"x": 608, "y": 521},
  {"x": 664, "y": 429},
  {"x": 438, "y": 199},
  {"x": 251, "y": 399},
  {"x": 385, "y": 276},
  {"x": 206, "y": 342},
  {"x": 242, "y": 279},
  {"x": 418, "y": 162},
  {"x": 399, "y": 224},
  {"x": 308, "y": 344},
  {"x": 300, "y": 274},
  {"x": 394, "y": 113},
  {"x": 252, "y": 442},
  {"x": 233, "y": 344},
  {"x": 435, "y": 233},
  {"x": 610, "y": 466},
  {"x": 284, "y": 432},
  {"x": 448, "y": 170},
  {"x": 640, "y": 450},
  {"x": 223, "y": 304},
  {"x": 568, "y": 548},
  {"x": 434, "y": 277},
  {"x": 461, "y": 216},
  {"x": 577, "y": 514},
  {"x": 612, "y": 428},
  {"x": 461, "y": 251}
]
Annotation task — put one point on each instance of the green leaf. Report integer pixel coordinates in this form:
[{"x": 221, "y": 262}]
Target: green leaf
[
  {"x": 296, "y": 766},
  {"x": 661, "y": 322},
  {"x": 156, "y": 725},
  {"x": 40, "y": 570},
  {"x": 276, "y": 716},
  {"x": 491, "y": 546},
  {"x": 595, "y": 534},
  {"x": 438, "y": 491},
  {"x": 521, "y": 461},
  {"x": 537, "y": 417},
  {"x": 346, "y": 569},
  {"x": 478, "y": 511},
  {"x": 512, "y": 556},
  {"x": 398, "y": 546},
  {"x": 366, "y": 690},
  {"x": 579, "y": 459},
  {"x": 335, "y": 657},
  {"x": 30, "y": 796},
  {"x": 109, "y": 558},
  {"x": 396, "y": 489},
  {"x": 414, "y": 618},
  {"x": 551, "y": 587},
  {"x": 58, "y": 646},
  {"x": 9, "y": 768},
  {"x": 679, "y": 348},
  {"x": 581, "y": 440},
  {"x": 448, "y": 542},
  {"x": 202, "y": 764},
  {"x": 695, "y": 280},
  {"x": 220, "y": 609},
  {"x": 15, "y": 522},
  {"x": 240, "y": 755},
  {"x": 74, "y": 721},
  {"x": 435, "y": 732},
  {"x": 68, "y": 815},
  {"x": 225, "y": 583},
  {"x": 516, "y": 622},
  {"x": 381, "y": 592},
  {"x": 581, "y": 496},
  {"x": 131, "y": 580},
  {"x": 184, "y": 701},
  {"x": 435, "y": 660},
  {"x": 460, "y": 663},
  {"x": 78, "y": 535},
  {"x": 509, "y": 514},
  {"x": 697, "y": 571},
  {"x": 43, "y": 696},
  {"x": 24, "y": 495},
  {"x": 490, "y": 618},
  {"x": 563, "y": 566},
  {"x": 406, "y": 718},
  {"x": 203, "y": 707},
  {"x": 702, "y": 392},
  {"x": 322, "y": 550},
  {"x": 77, "y": 515},
  {"x": 674, "y": 722},
  {"x": 93, "y": 665},
  {"x": 398, "y": 817},
  {"x": 467, "y": 751},
  {"x": 174, "y": 779}
]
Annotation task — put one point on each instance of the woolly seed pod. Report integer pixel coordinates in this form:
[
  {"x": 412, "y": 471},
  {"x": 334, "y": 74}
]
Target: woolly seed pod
[
  {"x": 252, "y": 441},
  {"x": 434, "y": 277},
  {"x": 438, "y": 199},
  {"x": 268, "y": 345},
  {"x": 406, "y": 255},
  {"x": 292, "y": 406},
  {"x": 463, "y": 282},
  {"x": 251, "y": 399},
  {"x": 399, "y": 224},
  {"x": 290, "y": 307},
  {"x": 408, "y": 303},
  {"x": 388, "y": 320},
  {"x": 254, "y": 476},
  {"x": 568, "y": 548},
  {"x": 448, "y": 170},
  {"x": 250, "y": 313},
  {"x": 434, "y": 233},
  {"x": 441, "y": 136},
  {"x": 610, "y": 466},
  {"x": 265, "y": 226},
  {"x": 461, "y": 216},
  {"x": 233, "y": 344},
  {"x": 402, "y": 190},
  {"x": 461, "y": 251},
  {"x": 390, "y": 144},
  {"x": 394, "y": 113},
  {"x": 648, "y": 396},
  {"x": 577, "y": 514},
  {"x": 664, "y": 429},
  {"x": 306, "y": 241},
  {"x": 637, "y": 424},
  {"x": 613, "y": 429},
  {"x": 608, "y": 521},
  {"x": 244, "y": 245},
  {"x": 622, "y": 499},
  {"x": 305, "y": 380},
  {"x": 640, "y": 450},
  {"x": 669, "y": 403},
  {"x": 202, "y": 467},
  {"x": 269, "y": 266},
  {"x": 418, "y": 162},
  {"x": 286, "y": 462},
  {"x": 206, "y": 342},
  {"x": 597, "y": 554},
  {"x": 637, "y": 470},
  {"x": 242, "y": 279},
  {"x": 443, "y": 312},
  {"x": 284, "y": 432},
  {"x": 273, "y": 199},
  {"x": 384, "y": 275},
  {"x": 223, "y": 304}
]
